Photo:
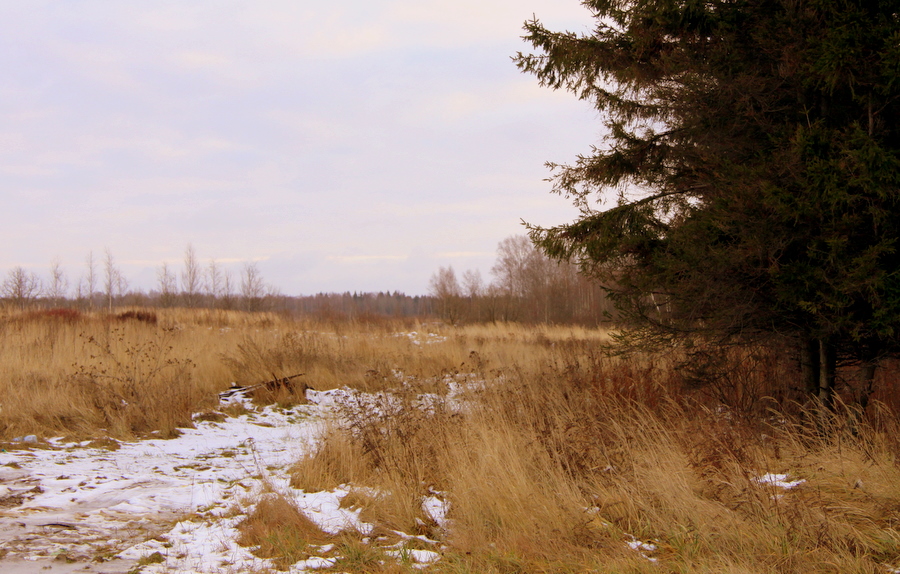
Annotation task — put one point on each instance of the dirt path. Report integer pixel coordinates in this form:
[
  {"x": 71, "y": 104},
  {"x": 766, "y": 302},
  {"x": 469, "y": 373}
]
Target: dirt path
[{"x": 68, "y": 507}]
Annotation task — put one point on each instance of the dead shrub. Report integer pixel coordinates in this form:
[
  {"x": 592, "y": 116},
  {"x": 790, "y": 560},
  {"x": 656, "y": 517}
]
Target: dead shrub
[
  {"x": 58, "y": 313},
  {"x": 138, "y": 385},
  {"x": 148, "y": 317}
]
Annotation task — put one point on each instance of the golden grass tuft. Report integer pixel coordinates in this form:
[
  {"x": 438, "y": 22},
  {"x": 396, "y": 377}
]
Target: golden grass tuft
[
  {"x": 336, "y": 461},
  {"x": 278, "y": 530}
]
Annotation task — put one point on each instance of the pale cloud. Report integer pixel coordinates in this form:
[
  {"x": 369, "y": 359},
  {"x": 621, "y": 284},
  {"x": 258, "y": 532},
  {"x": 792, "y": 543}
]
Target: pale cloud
[
  {"x": 99, "y": 64},
  {"x": 176, "y": 17},
  {"x": 26, "y": 170},
  {"x": 488, "y": 99},
  {"x": 305, "y": 129},
  {"x": 203, "y": 59},
  {"x": 28, "y": 115},
  {"x": 452, "y": 22},
  {"x": 206, "y": 60},
  {"x": 365, "y": 258},
  {"x": 454, "y": 106},
  {"x": 341, "y": 42},
  {"x": 353, "y": 29},
  {"x": 222, "y": 68},
  {"x": 272, "y": 30},
  {"x": 169, "y": 187},
  {"x": 458, "y": 254},
  {"x": 229, "y": 260},
  {"x": 171, "y": 147},
  {"x": 342, "y": 145}
]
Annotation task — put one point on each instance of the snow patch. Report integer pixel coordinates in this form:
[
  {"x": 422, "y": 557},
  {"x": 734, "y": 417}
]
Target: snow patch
[
  {"x": 417, "y": 338},
  {"x": 779, "y": 480},
  {"x": 436, "y": 508}
]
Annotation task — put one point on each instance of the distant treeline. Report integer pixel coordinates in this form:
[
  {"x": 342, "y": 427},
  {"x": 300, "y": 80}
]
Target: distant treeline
[
  {"x": 527, "y": 287},
  {"x": 325, "y": 305},
  {"x": 357, "y": 305}
]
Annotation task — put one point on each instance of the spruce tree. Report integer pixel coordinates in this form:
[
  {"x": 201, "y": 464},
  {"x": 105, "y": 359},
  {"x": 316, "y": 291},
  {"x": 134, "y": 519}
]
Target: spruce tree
[{"x": 750, "y": 175}]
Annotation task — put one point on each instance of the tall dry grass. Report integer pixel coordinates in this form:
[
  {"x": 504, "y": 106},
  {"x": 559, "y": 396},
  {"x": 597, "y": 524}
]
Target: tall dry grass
[
  {"x": 553, "y": 458},
  {"x": 85, "y": 374},
  {"x": 134, "y": 371},
  {"x": 564, "y": 456}
]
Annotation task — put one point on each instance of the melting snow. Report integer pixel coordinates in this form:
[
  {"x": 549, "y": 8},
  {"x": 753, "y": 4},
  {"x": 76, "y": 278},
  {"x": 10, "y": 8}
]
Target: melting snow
[
  {"x": 96, "y": 504},
  {"x": 436, "y": 508},
  {"x": 100, "y": 502},
  {"x": 422, "y": 338},
  {"x": 779, "y": 480}
]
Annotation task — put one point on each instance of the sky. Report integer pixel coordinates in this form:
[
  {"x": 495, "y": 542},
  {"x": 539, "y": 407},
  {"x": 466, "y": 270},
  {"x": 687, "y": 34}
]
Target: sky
[{"x": 340, "y": 146}]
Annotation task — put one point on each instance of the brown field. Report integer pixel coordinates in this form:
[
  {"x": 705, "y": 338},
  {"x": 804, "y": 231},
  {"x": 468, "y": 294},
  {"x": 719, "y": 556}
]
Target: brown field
[{"x": 553, "y": 458}]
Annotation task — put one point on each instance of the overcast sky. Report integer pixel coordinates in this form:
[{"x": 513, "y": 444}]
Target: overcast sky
[{"x": 352, "y": 145}]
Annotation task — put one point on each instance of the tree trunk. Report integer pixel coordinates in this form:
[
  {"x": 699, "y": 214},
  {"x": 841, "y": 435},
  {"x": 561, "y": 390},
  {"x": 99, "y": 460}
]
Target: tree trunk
[
  {"x": 827, "y": 367},
  {"x": 866, "y": 379},
  {"x": 867, "y": 383},
  {"x": 809, "y": 365}
]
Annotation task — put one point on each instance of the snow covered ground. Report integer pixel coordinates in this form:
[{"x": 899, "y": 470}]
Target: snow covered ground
[
  {"x": 171, "y": 506},
  {"x": 77, "y": 506},
  {"x": 77, "y": 502}
]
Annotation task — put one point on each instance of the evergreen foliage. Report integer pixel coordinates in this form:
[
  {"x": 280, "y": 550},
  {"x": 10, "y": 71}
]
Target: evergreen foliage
[{"x": 753, "y": 147}]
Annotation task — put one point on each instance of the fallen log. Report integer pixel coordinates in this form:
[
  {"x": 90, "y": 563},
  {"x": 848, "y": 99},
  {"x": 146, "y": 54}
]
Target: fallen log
[{"x": 273, "y": 385}]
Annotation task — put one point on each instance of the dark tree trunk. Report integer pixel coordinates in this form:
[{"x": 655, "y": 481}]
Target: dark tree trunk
[
  {"x": 827, "y": 367},
  {"x": 809, "y": 365},
  {"x": 867, "y": 383}
]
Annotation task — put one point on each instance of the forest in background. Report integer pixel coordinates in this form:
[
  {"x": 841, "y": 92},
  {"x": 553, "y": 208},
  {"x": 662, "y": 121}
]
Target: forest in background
[{"x": 527, "y": 286}]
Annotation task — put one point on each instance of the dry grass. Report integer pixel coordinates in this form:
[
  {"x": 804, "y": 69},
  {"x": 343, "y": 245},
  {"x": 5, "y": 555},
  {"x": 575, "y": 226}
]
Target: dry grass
[
  {"x": 558, "y": 456},
  {"x": 276, "y": 529},
  {"x": 137, "y": 371},
  {"x": 563, "y": 457},
  {"x": 64, "y": 372},
  {"x": 80, "y": 374}
]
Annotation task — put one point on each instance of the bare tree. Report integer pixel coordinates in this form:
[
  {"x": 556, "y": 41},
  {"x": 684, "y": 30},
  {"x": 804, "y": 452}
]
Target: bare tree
[
  {"x": 90, "y": 278},
  {"x": 514, "y": 256},
  {"x": 253, "y": 288},
  {"x": 191, "y": 277},
  {"x": 445, "y": 288},
  {"x": 227, "y": 289},
  {"x": 79, "y": 290},
  {"x": 532, "y": 287},
  {"x": 21, "y": 287},
  {"x": 525, "y": 276},
  {"x": 213, "y": 281},
  {"x": 121, "y": 283},
  {"x": 472, "y": 284},
  {"x": 472, "y": 290},
  {"x": 113, "y": 281},
  {"x": 58, "y": 287},
  {"x": 168, "y": 285},
  {"x": 491, "y": 303}
]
